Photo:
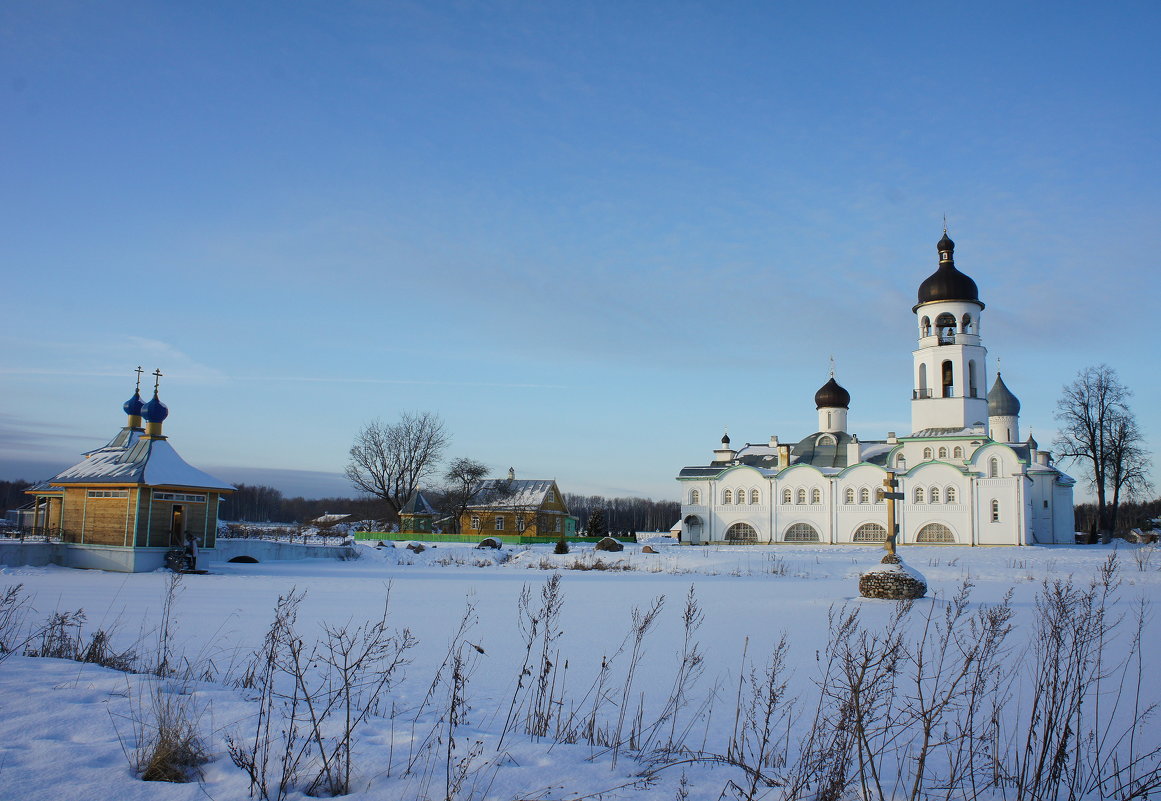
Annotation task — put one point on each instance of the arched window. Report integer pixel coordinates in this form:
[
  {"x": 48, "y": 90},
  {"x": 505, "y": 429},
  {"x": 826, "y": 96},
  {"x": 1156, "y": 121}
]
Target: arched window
[
  {"x": 948, "y": 379},
  {"x": 923, "y": 381},
  {"x": 935, "y": 532},
  {"x": 943, "y": 453},
  {"x": 965, "y": 324},
  {"x": 926, "y": 454},
  {"x": 993, "y": 468},
  {"x": 826, "y": 439},
  {"x": 934, "y": 495},
  {"x": 800, "y": 496},
  {"x": 816, "y": 495},
  {"x": 728, "y": 498},
  {"x": 754, "y": 497},
  {"x": 741, "y": 534},
  {"x": 958, "y": 452},
  {"x": 945, "y": 327},
  {"x": 741, "y": 497},
  {"x": 995, "y": 511},
  {"x": 901, "y": 461},
  {"x": 925, "y": 327},
  {"x": 785, "y": 496},
  {"x": 972, "y": 391},
  {"x": 801, "y": 532},
  {"x": 949, "y": 494},
  {"x": 865, "y": 495},
  {"x": 870, "y": 532},
  {"x": 919, "y": 497},
  {"x": 849, "y": 495},
  {"x": 694, "y": 497}
]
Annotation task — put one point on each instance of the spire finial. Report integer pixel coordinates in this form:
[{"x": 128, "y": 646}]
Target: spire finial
[
  {"x": 139, "y": 371},
  {"x": 997, "y": 365},
  {"x": 156, "y": 379},
  {"x": 832, "y": 366},
  {"x": 945, "y": 224}
]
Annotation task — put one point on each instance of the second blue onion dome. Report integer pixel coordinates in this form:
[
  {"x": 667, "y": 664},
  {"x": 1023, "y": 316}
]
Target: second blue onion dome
[
  {"x": 155, "y": 411},
  {"x": 832, "y": 396},
  {"x": 134, "y": 405},
  {"x": 947, "y": 283}
]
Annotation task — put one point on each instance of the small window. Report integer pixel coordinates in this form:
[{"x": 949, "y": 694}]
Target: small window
[
  {"x": 694, "y": 497},
  {"x": 1045, "y": 503},
  {"x": 754, "y": 497},
  {"x": 949, "y": 494},
  {"x": 926, "y": 453},
  {"x": 520, "y": 523},
  {"x": 112, "y": 494},
  {"x": 550, "y": 496},
  {"x": 995, "y": 511},
  {"x": 865, "y": 495},
  {"x": 816, "y": 496},
  {"x": 499, "y": 523},
  {"x": 800, "y": 496},
  {"x": 849, "y": 495},
  {"x": 958, "y": 452},
  {"x": 934, "y": 495},
  {"x": 870, "y": 532},
  {"x": 728, "y": 497},
  {"x": 943, "y": 453},
  {"x": 476, "y": 522},
  {"x": 993, "y": 468},
  {"x": 786, "y": 496},
  {"x": 919, "y": 497}
]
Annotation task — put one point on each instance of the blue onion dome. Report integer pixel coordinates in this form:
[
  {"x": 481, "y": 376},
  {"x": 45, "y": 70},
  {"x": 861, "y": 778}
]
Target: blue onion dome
[
  {"x": 832, "y": 396},
  {"x": 155, "y": 411},
  {"x": 134, "y": 405},
  {"x": 947, "y": 283},
  {"x": 1001, "y": 401}
]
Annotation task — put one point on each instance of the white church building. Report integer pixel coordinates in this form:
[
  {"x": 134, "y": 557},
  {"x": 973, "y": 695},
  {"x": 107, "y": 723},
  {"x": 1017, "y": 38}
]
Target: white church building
[{"x": 964, "y": 473}]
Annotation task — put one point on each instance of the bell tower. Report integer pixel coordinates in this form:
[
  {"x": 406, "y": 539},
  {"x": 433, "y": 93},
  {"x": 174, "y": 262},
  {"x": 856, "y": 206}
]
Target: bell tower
[{"x": 949, "y": 362}]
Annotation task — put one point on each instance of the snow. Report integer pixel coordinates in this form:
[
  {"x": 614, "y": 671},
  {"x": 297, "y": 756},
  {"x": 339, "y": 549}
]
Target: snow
[
  {"x": 152, "y": 462},
  {"x": 64, "y": 724}
]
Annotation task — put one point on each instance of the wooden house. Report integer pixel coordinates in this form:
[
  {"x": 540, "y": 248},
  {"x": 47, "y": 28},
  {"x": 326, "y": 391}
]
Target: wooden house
[
  {"x": 130, "y": 502},
  {"x": 520, "y": 508}
]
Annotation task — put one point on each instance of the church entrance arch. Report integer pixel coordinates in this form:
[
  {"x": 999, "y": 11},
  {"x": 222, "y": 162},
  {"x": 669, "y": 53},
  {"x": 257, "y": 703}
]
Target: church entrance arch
[
  {"x": 935, "y": 532},
  {"x": 693, "y": 528},
  {"x": 741, "y": 534}
]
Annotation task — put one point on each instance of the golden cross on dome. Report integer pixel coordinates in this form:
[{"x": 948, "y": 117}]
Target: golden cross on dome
[
  {"x": 157, "y": 379},
  {"x": 139, "y": 371},
  {"x": 945, "y": 223},
  {"x": 832, "y": 366}
]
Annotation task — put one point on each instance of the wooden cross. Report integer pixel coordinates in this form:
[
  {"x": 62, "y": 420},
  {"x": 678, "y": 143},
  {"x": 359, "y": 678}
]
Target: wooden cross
[
  {"x": 887, "y": 494},
  {"x": 157, "y": 379},
  {"x": 139, "y": 371}
]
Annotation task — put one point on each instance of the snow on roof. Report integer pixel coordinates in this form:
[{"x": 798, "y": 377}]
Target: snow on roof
[
  {"x": 929, "y": 433},
  {"x": 328, "y": 519},
  {"x": 152, "y": 462},
  {"x": 522, "y": 492}
]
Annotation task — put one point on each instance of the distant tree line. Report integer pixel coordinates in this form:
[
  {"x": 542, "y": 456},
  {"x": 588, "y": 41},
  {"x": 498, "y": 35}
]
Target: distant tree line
[
  {"x": 624, "y": 515},
  {"x": 12, "y": 494},
  {"x": 261, "y": 504},
  {"x": 1132, "y": 514}
]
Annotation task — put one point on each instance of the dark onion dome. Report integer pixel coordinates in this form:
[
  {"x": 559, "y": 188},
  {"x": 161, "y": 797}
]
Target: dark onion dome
[
  {"x": 726, "y": 439},
  {"x": 134, "y": 405},
  {"x": 155, "y": 411},
  {"x": 1001, "y": 401},
  {"x": 832, "y": 396},
  {"x": 947, "y": 283}
]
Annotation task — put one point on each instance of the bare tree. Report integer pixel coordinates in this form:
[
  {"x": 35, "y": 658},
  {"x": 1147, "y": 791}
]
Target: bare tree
[
  {"x": 388, "y": 460},
  {"x": 1099, "y": 432},
  {"x": 464, "y": 477}
]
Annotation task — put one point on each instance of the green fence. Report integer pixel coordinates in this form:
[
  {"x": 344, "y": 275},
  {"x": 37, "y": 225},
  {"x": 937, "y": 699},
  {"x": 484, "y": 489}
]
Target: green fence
[{"x": 515, "y": 539}]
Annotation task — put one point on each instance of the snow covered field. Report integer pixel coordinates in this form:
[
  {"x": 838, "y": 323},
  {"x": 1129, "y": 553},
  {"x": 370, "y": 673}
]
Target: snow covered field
[{"x": 67, "y": 728}]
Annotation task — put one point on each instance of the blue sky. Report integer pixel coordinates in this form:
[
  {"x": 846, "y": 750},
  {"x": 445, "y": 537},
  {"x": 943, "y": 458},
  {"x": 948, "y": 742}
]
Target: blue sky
[{"x": 588, "y": 235}]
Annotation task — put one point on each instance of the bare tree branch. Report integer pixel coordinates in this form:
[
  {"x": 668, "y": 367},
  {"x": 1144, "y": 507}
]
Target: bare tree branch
[{"x": 389, "y": 460}]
